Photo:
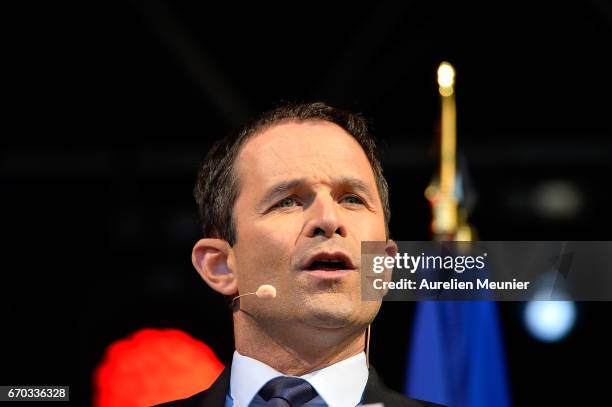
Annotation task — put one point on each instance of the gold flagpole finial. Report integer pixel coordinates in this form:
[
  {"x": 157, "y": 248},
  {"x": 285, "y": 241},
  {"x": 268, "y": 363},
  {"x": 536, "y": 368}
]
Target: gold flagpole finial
[{"x": 446, "y": 79}]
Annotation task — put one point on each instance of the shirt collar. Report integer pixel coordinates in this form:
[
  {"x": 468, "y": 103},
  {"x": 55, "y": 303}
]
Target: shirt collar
[
  {"x": 339, "y": 385},
  {"x": 342, "y": 383}
]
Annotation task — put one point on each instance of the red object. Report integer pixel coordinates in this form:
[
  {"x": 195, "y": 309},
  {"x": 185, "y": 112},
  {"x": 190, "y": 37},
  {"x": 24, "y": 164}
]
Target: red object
[{"x": 153, "y": 366}]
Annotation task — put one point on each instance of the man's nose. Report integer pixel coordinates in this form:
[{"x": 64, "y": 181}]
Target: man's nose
[{"x": 324, "y": 219}]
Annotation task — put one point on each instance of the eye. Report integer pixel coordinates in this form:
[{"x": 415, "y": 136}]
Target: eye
[
  {"x": 286, "y": 203},
  {"x": 353, "y": 200}
]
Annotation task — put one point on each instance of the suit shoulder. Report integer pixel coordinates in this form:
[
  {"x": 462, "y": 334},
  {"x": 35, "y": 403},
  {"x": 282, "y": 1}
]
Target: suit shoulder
[
  {"x": 214, "y": 396},
  {"x": 377, "y": 392},
  {"x": 392, "y": 398},
  {"x": 192, "y": 401}
]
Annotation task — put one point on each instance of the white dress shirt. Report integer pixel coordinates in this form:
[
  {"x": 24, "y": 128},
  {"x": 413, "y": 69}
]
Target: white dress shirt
[{"x": 338, "y": 385}]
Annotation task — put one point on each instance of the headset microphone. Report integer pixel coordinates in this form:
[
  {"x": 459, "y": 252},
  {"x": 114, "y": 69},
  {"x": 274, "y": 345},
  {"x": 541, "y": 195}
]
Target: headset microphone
[{"x": 264, "y": 292}]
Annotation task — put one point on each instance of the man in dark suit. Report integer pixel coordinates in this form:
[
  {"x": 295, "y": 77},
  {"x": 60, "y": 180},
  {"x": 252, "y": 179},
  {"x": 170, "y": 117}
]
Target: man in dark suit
[{"x": 286, "y": 203}]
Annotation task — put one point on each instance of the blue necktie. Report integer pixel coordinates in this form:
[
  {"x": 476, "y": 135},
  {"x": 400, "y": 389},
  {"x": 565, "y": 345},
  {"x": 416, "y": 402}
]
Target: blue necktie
[{"x": 287, "y": 391}]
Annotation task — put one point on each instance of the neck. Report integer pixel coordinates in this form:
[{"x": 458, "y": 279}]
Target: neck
[{"x": 297, "y": 350}]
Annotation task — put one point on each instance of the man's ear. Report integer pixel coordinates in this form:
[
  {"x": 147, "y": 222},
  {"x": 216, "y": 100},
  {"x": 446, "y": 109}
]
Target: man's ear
[
  {"x": 212, "y": 259},
  {"x": 391, "y": 248}
]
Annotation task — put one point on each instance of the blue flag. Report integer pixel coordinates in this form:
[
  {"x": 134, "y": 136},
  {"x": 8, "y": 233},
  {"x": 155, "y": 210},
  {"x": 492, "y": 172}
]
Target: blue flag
[{"x": 457, "y": 357}]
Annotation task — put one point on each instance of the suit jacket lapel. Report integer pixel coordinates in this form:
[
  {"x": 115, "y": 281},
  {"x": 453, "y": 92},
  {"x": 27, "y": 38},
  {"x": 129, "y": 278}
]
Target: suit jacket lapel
[
  {"x": 377, "y": 393},
  {"x": 214, "y": 396},
  {"x": 374, "y": 390}
]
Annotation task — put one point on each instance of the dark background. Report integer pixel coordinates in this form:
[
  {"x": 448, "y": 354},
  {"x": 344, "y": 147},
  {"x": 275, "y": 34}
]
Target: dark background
[{"x": 110, "y": 109}]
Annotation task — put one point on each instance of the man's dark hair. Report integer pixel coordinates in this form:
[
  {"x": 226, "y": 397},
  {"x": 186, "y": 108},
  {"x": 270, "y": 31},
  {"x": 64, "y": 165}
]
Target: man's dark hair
[{"x": 217, "y": 184}]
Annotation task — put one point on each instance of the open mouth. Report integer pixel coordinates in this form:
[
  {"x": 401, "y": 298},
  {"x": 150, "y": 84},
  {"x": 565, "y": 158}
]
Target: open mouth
[
  {"x": 329, "y": 262},
  {"x": 328, "y": 265}
]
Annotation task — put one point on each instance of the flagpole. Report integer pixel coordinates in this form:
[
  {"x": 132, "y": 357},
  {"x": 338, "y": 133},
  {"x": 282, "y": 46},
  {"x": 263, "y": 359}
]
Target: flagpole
[
  {"x": 441, "y": 195},
  {"x": 449, "y": 220}
]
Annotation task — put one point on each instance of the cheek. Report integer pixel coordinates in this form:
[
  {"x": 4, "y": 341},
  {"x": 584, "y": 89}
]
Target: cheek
[
  {"x": 278, "y": 234},
  {"x": 368, "y": 227},
  {"x": 263, "y": 251}
]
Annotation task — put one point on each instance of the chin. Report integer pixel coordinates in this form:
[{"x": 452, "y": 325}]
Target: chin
[{"x": 332, "y": 311}]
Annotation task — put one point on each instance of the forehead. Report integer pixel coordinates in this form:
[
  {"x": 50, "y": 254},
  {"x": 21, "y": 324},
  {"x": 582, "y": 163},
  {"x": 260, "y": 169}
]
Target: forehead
[{"x": 317, "y": 150}]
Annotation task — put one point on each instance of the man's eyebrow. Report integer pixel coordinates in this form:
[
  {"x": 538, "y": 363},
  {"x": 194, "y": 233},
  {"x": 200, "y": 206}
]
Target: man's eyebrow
[
  {"x": 356, "y": 185},
  {"x": 278, "y": 189}
]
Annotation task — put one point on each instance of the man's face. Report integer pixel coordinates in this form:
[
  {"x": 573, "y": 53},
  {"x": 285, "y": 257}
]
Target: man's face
[{"x": 307, "y": 199}]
